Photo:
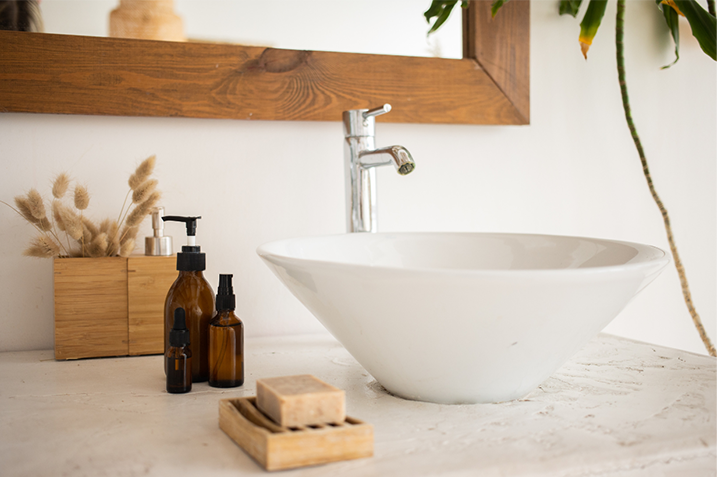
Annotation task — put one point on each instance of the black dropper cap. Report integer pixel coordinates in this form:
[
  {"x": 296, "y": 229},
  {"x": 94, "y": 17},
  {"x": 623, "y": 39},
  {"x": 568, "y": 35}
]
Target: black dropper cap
[
  {"x": 190, "y": 259},
  {"x": 226, "y": 299},
  {"x": 179, "y": 336}
]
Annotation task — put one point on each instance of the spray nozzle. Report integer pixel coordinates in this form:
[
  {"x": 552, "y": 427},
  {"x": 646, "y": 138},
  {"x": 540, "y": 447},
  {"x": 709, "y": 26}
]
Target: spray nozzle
[
  {"x": 179, "y": 336},
  {"x": 225, "y": 293}
]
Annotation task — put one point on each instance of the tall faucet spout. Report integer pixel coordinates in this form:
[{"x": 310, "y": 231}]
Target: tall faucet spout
[
  {"x": 361, "y": 157},
  {"x": 397, "y": 155}
]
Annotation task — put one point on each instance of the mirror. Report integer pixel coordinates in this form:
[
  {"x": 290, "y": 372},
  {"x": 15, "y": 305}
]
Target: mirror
[
  {"x": 388, "y": 27},
  {"x": 48, "y": 73}
]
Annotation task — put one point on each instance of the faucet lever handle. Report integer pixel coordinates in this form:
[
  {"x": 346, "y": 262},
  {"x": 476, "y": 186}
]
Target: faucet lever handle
[{"x": 377, "y": 111}]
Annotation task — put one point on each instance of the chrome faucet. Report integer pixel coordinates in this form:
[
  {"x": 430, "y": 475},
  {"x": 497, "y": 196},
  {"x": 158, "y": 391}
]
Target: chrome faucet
[{"x": 360, "y": 161}]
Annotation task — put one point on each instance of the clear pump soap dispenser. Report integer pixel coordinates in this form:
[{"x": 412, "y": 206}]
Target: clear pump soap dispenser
[{"x": 192, "y": 292}]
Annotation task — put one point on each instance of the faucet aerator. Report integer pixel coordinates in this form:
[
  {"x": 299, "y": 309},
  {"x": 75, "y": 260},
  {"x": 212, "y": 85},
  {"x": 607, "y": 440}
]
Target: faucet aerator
[{"x": 406, "y": 169}]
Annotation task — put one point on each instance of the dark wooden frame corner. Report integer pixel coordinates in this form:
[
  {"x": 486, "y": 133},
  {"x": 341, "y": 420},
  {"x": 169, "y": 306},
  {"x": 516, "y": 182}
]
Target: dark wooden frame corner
[{"x": 45, "y": 73}]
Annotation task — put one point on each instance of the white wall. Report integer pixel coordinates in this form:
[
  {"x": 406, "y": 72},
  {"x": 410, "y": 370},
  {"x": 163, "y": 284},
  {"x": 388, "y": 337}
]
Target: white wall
[{"x": 572, "y": 171}]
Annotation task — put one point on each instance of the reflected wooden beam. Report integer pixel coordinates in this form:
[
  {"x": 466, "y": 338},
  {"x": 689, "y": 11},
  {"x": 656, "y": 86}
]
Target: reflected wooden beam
[{"x": 45, "y": 73}]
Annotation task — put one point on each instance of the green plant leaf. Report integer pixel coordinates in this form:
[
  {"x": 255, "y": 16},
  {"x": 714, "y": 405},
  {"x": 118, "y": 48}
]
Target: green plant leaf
[
  {"x": 496, "y": 6},
  {"x": 671, "y": 18},
  {"x": 590, "y": 24},
  {"x": 570, "y": 7},
  {"x": 441, "y": 9},
  {"x": 703, "y": 24}
]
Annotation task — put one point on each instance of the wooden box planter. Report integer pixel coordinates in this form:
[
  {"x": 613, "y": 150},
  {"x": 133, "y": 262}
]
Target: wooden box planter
[{"x": 111, "y": 306}]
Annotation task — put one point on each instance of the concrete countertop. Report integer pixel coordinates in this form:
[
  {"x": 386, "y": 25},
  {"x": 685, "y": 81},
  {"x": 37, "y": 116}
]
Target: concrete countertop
[{"x": 618, "y": 408}]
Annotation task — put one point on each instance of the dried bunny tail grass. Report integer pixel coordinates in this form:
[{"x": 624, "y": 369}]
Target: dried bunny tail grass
[
  {"x": 143, "y": 171},
  {"x": 72, "y": 222},
  {"x": 98, "y": 246},
  {"x": 114, "y": 239},
  {"x": 57, "y": 215},
  {"x": 105, "y": 226},
  {"x": 82, "y": 197},
  {"x": 25, "y": 208},
  {"x": 45, "y": 225},
  {"x": 42, "y": 247},
  {"x": 86, "y": 235},
  {"x": 36, "y": 204},
  {"x": 128, "y": 233},
  {"x": 91, "y": 227},
  {"x": 143, "y": 191},
  {"x": 141, "y": 210},
  {"x": 127, "y": 248},
  {"x": 60, "y": 185}
]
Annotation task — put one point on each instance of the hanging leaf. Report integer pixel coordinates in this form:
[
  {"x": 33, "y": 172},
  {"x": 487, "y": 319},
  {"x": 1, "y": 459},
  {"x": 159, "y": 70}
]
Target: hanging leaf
[
  {"x": 671, "y": 19},
  {"x": 496, "y": 6},
  {"x": 590, "y": 24},
  {"x": 570, "y": 7},
  {"x": 441, "y": 9},
  {"x": 703, "y": 24},
  {"x": 671, "y": 3}
]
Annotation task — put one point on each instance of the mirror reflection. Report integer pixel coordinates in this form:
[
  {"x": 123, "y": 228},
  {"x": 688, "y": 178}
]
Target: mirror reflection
[{"x": 392, "y": 27}]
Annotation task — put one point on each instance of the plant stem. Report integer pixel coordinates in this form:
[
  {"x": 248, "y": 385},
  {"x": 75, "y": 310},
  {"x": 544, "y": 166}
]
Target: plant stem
[{"x": 619, "y": 33}]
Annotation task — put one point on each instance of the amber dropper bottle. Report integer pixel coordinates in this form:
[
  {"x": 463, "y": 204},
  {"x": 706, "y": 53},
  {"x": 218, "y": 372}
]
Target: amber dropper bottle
[
  {"x": 179, "y": 356},
  {"x": 226, "y": 340}
]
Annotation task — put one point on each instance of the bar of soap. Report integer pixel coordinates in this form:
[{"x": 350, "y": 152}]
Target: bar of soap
[{"x": 303, "y": 400}]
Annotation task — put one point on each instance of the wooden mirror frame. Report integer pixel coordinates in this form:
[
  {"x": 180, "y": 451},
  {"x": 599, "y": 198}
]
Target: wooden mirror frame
[{"x": 46, "y": 73}]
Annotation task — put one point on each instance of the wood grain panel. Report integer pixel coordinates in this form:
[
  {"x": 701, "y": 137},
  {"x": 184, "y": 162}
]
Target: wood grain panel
[
  {"x": 278, "y": 448},
  {"x": 148, "y": 281},
  {"x": 501, "y": 46},
  {"x": 84, "y": 75},
  {"x": 90, "y": 307}
]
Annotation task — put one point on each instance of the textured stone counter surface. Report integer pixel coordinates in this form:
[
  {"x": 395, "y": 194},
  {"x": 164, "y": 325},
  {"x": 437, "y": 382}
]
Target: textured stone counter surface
[{"x": 618, "y": 408}]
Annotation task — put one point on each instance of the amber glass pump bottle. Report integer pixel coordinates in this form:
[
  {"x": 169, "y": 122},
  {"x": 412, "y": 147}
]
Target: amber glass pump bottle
[
  {"x": 193, "y": 293},
  {"x": 179, "y": 356},
  {"x": 226, "y": 340}
]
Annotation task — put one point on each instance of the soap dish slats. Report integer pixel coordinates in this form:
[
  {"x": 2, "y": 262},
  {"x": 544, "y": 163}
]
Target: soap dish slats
[{"x": 276, "y": 448}]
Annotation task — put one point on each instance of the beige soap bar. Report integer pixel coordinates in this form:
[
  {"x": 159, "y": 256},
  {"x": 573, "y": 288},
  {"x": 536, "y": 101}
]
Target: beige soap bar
[{"x": 303, "y": 400}]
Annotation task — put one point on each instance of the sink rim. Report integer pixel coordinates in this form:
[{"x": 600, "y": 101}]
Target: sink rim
[{"x": 648, "y": 255}]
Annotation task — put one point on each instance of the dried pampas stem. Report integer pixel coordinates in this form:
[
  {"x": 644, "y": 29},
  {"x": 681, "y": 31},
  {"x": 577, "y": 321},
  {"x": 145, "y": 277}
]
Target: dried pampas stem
[{"x": 60, "y": 185}]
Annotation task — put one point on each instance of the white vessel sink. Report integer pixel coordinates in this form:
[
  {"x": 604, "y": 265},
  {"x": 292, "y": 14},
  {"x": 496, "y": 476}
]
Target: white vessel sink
[{"x": 462, "y": 317}]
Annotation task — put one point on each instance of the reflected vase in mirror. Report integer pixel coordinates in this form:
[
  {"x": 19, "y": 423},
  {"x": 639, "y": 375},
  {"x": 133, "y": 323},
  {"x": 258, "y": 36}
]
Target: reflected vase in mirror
[{"x": 146, "y": 19}]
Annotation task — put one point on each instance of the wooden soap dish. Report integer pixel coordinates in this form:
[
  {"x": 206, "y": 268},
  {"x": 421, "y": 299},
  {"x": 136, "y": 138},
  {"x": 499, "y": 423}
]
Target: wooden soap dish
[{"x": 276, "y": 448}]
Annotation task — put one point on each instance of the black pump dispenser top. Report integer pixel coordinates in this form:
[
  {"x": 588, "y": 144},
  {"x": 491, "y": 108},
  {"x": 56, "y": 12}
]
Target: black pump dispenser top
[
  {"x": 226, "y": 299},
  {"x": 179, "y": 336},
  {"x": 190, "y": 259}
]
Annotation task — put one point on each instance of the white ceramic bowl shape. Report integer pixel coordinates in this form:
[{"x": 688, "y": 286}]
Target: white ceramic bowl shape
[{"x": 462, "y": 317}]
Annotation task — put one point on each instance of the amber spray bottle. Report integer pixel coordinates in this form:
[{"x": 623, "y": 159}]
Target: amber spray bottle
[
  {"x": 226, "y": 340},
  {"x": 179, "y": 356},
  {"x": 192, "y": 292}
]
